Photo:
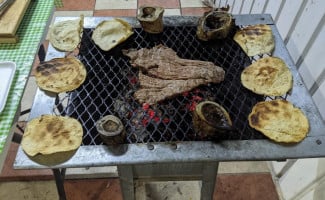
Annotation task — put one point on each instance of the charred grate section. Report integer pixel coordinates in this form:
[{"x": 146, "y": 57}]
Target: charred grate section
[{"x": 111, "y": 82}]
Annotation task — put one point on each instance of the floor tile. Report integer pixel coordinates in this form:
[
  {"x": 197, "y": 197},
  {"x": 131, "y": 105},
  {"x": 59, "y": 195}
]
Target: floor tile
[
  {"x": 97, "y": 189},
  {"x": 168, "y": 190},
  {"x": 77, "y": 13},
  {"x": 10, "y": 174},
  {"x": 243, "y": 167},
  {"x": 116, "y": 12},
  {"x": 171, "y": 12},
  {"x": 194, "y": 11},
  {"x": 191, "y": 3},
  {"x": 164, "y": 4},
  {"x": 71, "y": 5},
  {"x": 115, "y": 4},
  {"x": 245, "y": 187},
  {"x": 40, "y": 190},
  {"x": 240, "y": 186}
]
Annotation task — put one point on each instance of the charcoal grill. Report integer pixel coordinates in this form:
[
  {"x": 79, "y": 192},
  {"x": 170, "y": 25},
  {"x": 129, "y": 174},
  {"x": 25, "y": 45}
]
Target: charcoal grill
[
  {"x": 111, "y": 82},
  {"x": 163, "y": 134}
]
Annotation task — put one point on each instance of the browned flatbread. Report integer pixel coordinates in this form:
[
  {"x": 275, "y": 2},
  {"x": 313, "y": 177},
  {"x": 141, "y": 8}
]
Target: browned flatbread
[
  {"x": 279, "y": 120},
  {"x": 50, "y": 134},
  {"x": 268, "y": 76},
  {"x": 66, "y": 35},
  {"x": 60, "y": 74},
  {"x": 255, "y": 39},
  {"x": 110, "y": 33}
]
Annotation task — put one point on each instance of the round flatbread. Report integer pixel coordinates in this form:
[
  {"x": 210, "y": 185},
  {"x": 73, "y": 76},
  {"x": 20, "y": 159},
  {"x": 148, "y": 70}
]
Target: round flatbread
[
  {"x": 66, "y": 35},
  {"x": 60, "y": 74},
  {"x": 50, "y": 134},
  {"x": 279, "y": 120},
  {"x": 268, "y": 76},
  {"x": 110, "y": 33},
  {"x": 256, "y": 39}
]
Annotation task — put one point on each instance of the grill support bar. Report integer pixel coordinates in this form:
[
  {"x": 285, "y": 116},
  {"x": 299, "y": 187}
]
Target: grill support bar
[
  {"x": 59, "y": 175},
  {"x": 204, "y": 171}
]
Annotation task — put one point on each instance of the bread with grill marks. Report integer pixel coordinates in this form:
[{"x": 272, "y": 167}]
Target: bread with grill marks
[
  {"x": 279, "y": 120},
  {"x": 66, "y": 35},
  {"x": 110, "y": 33},
  {"x": 49, "y": 134},
  {"x": 255, "y": 39},
  {"x": 268, "y": 76},
  {"x": 60, "y": 74}
]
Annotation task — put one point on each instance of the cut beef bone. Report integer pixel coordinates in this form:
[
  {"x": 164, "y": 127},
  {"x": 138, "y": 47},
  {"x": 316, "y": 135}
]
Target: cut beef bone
[{"x": 163, "y": 74}]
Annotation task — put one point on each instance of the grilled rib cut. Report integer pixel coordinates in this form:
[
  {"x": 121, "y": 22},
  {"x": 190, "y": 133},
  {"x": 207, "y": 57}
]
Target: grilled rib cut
[{"x": 163, "y": 74}]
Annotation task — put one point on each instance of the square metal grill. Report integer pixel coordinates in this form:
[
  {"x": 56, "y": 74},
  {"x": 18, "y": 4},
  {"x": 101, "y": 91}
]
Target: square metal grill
[{"x": 111, "y": 82}]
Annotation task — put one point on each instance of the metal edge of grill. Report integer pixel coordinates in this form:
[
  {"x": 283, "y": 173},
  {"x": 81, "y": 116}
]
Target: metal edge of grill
[
  {"x": 108, "y": 83},
  {"x": 225, "y": 150}
]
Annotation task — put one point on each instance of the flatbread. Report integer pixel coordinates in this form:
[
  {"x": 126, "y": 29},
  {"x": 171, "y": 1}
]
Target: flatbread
[
  {"x": 279, "y": 120},
  {"x": 60, "y": 74},
  {"x": 110, "y": 33},
  {"x": 268, "y": 76},
  {"x": 50, "y": 134},
  {"x": 66, "y": 35},
  {"x": 255, "y": 39}
]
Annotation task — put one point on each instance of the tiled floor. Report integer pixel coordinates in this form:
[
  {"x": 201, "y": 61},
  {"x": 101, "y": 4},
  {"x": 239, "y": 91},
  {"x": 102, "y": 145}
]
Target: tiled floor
[{"x": 236, "y": 180}]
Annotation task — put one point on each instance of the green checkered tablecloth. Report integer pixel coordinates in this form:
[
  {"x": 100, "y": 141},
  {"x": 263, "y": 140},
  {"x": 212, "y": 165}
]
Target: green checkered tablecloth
[
  {"x": 58, "y": 3},
  {"x": 30, "y": 34}
]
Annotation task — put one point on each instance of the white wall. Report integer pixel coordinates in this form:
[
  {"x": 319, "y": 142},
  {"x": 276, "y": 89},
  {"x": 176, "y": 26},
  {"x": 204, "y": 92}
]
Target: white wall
[{"x": 301, "y": 25}]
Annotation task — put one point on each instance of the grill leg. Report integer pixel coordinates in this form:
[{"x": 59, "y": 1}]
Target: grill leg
[
  {"x": 125, "y": 173},
  {"x": 206, "y": 171},
  {"x": 209, "y": 175},
  {"x": 59, "y": 178}
]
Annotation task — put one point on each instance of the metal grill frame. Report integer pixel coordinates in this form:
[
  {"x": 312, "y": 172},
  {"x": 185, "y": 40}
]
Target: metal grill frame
[
  {"x": 108, "y": 89},
  {"x": 193, "y": 151}
]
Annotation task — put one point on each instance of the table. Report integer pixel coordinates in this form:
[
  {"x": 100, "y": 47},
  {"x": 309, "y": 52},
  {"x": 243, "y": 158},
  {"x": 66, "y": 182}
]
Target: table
[
  {"x": 30, "y": 33},
  {"x": 199, "y": 157}
]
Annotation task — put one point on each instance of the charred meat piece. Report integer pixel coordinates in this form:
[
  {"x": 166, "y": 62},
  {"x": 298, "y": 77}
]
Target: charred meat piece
[{"x": 163, "y": 74}]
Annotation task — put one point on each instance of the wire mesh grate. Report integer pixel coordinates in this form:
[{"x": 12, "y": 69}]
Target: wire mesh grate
[{"x": 111, "y": 82}]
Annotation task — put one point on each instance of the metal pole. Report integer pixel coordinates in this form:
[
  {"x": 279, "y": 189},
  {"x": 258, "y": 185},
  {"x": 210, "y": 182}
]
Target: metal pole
[
  {"x": 59, "y": 175},
  {"x": 209, "y": 176},
  {"x": 125, "y": 173}
]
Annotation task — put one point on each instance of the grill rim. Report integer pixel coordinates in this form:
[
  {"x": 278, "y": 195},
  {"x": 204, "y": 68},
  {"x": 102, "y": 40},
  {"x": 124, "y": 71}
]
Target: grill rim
[
  {"x": 90, "y": 53},
  {"x": 263, "y": 149}
]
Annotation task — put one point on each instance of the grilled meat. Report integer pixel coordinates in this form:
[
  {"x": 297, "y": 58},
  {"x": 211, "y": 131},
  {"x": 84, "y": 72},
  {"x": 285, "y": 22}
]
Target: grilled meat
[{"x": 163, "y": 74}]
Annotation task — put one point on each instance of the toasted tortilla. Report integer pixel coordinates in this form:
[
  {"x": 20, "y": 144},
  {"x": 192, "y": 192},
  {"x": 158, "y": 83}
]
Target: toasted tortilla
[
  {"x": 279, "y": 120},
  {"x": 60, "y": 74},
  {"x": 255, "y": 39},
  {"x": 268, "y": 76},
  {"x": 66, "y": 35},
  {"x": 110, "y": 33},
  {"x": 50, "y": 134}
]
